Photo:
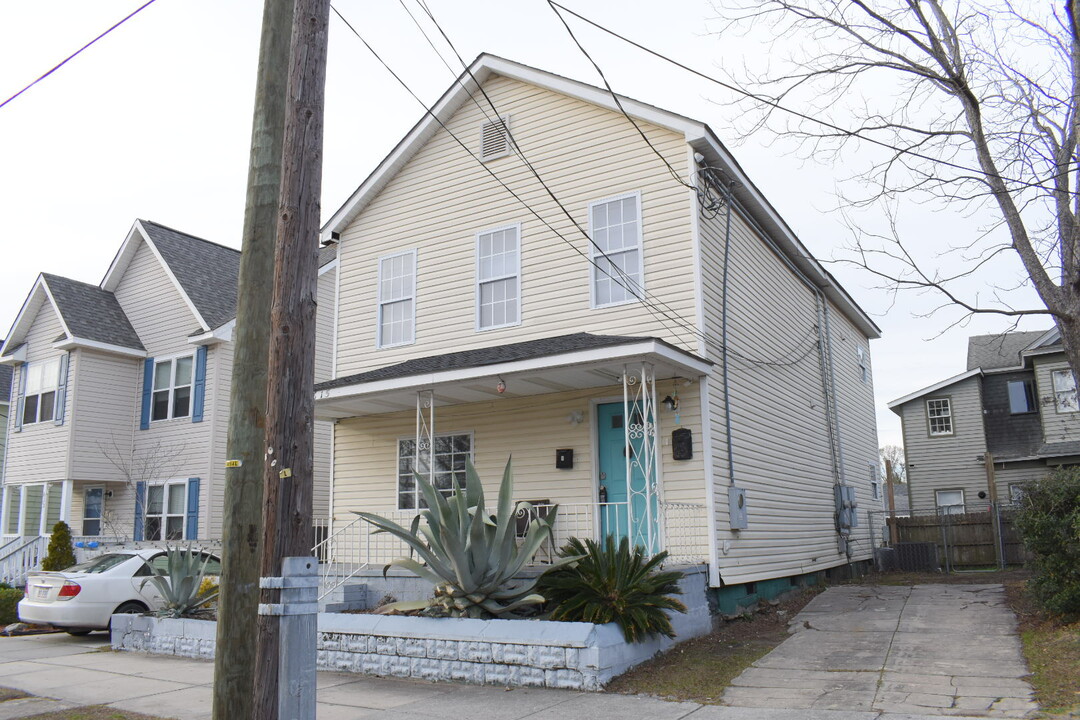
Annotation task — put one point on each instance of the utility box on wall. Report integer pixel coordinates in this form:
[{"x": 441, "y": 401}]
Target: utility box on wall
[
  {"x": 564, "y": 459},
  {"x": 737, "y": 508},
  {"x": 682, "y": 444}
]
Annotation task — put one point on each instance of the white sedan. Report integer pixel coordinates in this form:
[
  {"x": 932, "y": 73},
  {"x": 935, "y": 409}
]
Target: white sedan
[{"x": 85, "y": 596}]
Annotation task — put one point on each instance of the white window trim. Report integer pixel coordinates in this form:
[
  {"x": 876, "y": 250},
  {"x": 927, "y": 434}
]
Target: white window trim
[
  {"x": 594, "y": 253},
  {"x": 1055, "y": 391},
  {"x": 962, "y": 505},
  {"x": 876, "y": 482},
  {"x": 515, "y": 274},
  {"x": 864, "y": 364},
  {"x": 397, "y": 457},
  {"x": 54, "y": 389},
  {"x": 101, "y": 518},
  {"x": 930, "y": 426},
  {"x": 172, "y": 386},
  {"x": 18, "y": 493},
  {"x": 165, "y": 515},
  {"x": 379, "y": 301}
]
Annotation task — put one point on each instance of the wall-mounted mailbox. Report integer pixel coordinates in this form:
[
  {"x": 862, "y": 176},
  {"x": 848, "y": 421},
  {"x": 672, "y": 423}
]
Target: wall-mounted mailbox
[
  {"x": 564, "y": 459},
  {"x": 737, "y": 507},
  {"x": 682, "y": 444}
]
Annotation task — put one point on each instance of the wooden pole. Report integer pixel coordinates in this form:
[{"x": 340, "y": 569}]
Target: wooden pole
[
  {"x": 234, "y": 660},
  {"x": 890, "y": 481},
  {"x": 290, "y": 406},
  {"x": 992, "y": 511}
]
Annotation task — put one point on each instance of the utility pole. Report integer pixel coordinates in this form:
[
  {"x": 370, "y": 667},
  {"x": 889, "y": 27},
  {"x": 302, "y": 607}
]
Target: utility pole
[
  {"x": 238, "y": 603},
  {"x": 890, "y": 481},
  {"x": 290, "y": 404}
]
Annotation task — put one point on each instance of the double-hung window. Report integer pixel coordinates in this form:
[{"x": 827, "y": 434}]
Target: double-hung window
[
  {"x": 397, "y": 299},
  {"x": 498, "y": 278},
  {"x": 939, "y": 416},
  {"x": 1021, "y": 397},
  {"x": 615, "y": 230},
  {"x": 42, "y": 380},
  {"x": 864, "y": 364},
  {"x": 166, "y": 507},
  {"x": 1064, "y": 391},
  {"x": 949, "y": 502},
  {"x": 172, "y": 389},
  {"x": 447, "y": 459}
]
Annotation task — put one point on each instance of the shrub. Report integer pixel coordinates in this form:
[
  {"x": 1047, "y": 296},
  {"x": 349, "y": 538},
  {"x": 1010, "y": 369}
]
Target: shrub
[
  {"x": 9, "y": 600},
  {"x": 182, "y": 582},
  {"x": 470, "y": 556},
  {"x": 1049, "y": 522},
  {"x": 61, "y": 553},
  {"x": 613, "y": 584}
]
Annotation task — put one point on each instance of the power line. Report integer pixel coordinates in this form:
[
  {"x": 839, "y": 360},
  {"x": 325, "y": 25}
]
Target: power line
[
  {"x": 777, "y": 106},
  {"x": 77, "y": 52}
]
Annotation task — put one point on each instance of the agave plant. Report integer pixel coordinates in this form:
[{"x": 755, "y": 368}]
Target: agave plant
[
  {"x": 470, "y": 556},
  {"x": 606, "y": 584},
  {"x": 181, "y": 582}
]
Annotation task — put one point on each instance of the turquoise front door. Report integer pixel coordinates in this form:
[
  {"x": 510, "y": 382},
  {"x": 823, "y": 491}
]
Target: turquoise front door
[{"x": 624, "y": 506}]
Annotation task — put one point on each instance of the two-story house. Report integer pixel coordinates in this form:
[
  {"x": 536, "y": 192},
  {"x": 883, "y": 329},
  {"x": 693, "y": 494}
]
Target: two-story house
[
  {"x": 977, "y": 437},
  {"x": 632, "y": 322},
  {"x": 120, "y": 400}
]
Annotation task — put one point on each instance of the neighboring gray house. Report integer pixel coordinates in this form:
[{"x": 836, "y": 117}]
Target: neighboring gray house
[
  {"x": 120, "y": 400},
  {"x": 1016, "y": 404}
]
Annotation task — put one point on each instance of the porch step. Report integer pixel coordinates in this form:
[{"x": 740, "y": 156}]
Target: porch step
[{"x": 349, "y": 596}]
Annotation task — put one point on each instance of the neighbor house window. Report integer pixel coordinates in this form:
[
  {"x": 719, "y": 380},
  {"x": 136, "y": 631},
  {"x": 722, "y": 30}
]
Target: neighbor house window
[
  {"x": 1021, "y": 397},
  {"x": 949, "y": 502},
  {"x": 939, "y": 416},
  {"x": 397, "y": 296},
  {"x": 172, "y": 389},
  {"x": 1064, "y": 391},
  {"x": 166, "y": 507},
  {"x": 864, "y": 364},
  {"x": 875, "y": 482},
  {"x": 42, "y": 380},
  {"x": 448, "y": 460},
  {"x": 1016, "y": 494},
  {"x": 615, "y": 229},
  {"x": 498, "y": 273}
]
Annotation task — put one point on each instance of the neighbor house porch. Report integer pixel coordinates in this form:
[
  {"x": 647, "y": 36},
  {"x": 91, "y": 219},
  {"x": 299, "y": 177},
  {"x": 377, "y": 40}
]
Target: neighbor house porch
[{"x": 583, "y": 418}]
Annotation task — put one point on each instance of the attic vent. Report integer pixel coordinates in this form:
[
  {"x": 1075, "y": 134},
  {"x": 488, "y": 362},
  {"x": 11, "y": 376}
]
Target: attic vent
[{"x": 495, "y": 138}]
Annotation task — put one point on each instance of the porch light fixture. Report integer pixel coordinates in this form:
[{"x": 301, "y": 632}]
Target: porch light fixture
[
  {"x": 672, "y": 404},
  {"x": 501, "y": 387}
]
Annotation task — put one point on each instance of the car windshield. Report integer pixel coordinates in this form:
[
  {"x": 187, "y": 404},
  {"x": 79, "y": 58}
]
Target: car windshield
[{"x": 100, "y": 564}]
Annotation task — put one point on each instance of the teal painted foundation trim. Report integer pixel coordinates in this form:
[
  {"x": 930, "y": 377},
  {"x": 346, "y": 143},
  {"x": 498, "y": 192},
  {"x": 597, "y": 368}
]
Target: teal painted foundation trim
[{"x": 737, "y": 599}]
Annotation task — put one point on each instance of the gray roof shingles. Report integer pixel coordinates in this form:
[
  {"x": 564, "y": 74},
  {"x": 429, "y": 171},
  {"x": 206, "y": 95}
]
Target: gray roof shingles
[
  {"x": 993, "y": 352},
  {"x": 487, "y": 356},
  {"x": 91, "y": 313}
]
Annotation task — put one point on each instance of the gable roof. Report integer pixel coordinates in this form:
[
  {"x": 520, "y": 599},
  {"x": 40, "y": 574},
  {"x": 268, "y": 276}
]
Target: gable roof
[
  {"x": 90, "y": 313},
  {"x": 1001, "y": 350},
  {"x": 698, "y": 135},
  {"x": 895, "y": 404}
]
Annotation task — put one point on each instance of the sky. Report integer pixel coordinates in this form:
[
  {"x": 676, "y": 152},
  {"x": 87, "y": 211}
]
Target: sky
[{"x": 154, "y": 122}]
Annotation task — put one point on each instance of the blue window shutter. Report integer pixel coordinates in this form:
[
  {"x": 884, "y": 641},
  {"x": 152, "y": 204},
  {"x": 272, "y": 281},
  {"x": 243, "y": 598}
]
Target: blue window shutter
[
  {"x": 147, "y": 392},
  {"x": 200, "y": 385},
  {"x": 140, "y": 509},
  {"x": 192, "y": 530},
  {"x": 61, "y": 389},
  {"x": 22, "y": 397}
]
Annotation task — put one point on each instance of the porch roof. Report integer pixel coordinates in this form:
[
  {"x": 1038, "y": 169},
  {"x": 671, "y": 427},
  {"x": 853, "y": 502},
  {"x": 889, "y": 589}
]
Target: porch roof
[{"x": 534, "y": 367}]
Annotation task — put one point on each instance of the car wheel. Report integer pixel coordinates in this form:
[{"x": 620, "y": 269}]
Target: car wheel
[{"x": 77, "y": 633}]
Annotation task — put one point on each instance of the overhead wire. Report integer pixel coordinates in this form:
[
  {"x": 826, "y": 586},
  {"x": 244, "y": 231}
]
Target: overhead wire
[{"x": 73, "y": 55}]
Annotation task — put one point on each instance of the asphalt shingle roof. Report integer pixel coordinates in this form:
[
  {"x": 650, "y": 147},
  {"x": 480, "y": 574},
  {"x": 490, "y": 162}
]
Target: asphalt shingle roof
[
  {"x": 91, "y": 313},
  {"x": 992, "y": 352},
  {"x": 487, "y": 356},
  {"x": 207, "y": 271}
]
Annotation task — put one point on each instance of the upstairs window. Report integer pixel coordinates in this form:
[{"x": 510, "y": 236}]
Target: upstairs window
[
  {"x": 498, "y": 272},
  {"x": 172, "y": 389},
  {"x": 939, "y": 416},
  {"x": 1021, "y": 397},
  {"x": 1064, "y": 391},
  {"x": 449, "y": 456},
  {"x": 42, "y": 381},
  {"x": 864, "y": 364},
  {"x": 397, "y": 299},
  {"x": 615, "y": 229}
]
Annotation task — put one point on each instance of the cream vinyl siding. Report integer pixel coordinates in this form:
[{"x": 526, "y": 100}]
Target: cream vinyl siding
[
  {"x": 39, "y": 452},
  {"x": 530, "y": 429},
  {"x": 106, "y": 401},
  {"x": 442, "y": 197},
  {"x": 212, "y": 493},
  {"x": 1057, "y": 427},
  {"x": 945, "y": 462},
  {"x": 324, "y": 365},
  {"x": 154, "y": 306},
  {"x": 780, "y": 429}
]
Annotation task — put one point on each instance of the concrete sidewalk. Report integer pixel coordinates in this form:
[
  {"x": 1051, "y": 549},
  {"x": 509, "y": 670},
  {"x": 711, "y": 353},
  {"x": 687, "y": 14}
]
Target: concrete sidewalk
[
  {"x": 68, "y": 671},
  {"x": 931, "y": 649}
]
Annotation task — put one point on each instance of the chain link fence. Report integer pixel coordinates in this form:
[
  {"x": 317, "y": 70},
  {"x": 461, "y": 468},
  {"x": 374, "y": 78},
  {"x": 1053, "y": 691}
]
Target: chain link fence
[{"x": 958, "y": 538}]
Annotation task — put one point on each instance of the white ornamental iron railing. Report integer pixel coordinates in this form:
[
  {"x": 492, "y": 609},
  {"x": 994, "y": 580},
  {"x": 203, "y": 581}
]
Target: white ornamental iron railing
[
  {"x": 19, "y": 559},
  {"x": 353, "y": 547}
]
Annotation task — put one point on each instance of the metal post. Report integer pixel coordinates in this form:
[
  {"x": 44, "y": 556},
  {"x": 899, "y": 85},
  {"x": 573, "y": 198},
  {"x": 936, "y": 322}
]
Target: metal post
[{"x": 298, "y": 613}]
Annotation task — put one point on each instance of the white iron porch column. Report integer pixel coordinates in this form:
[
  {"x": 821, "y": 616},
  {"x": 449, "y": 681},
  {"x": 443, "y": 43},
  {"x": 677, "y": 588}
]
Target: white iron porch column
[
  {"x": 639, "y": 428},
  {"x": 425, "y": 434}
]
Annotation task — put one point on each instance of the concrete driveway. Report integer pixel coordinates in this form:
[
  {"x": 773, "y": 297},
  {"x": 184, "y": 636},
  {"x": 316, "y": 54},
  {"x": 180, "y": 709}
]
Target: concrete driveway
[{"x": 927, "y": 649}]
